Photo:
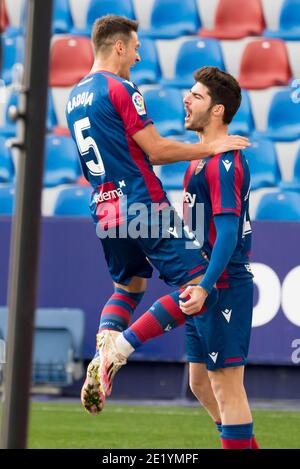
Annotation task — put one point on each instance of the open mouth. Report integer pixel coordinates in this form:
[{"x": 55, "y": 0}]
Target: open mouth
[{"x": 188, "y": 116}]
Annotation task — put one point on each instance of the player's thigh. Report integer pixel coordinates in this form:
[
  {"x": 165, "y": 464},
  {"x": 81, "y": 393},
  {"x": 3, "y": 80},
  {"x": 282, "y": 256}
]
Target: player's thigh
[
  {"x": 127, "y": 263},
  {"x": 136, "y": 285},
  {"x": 177, "y": 258}
]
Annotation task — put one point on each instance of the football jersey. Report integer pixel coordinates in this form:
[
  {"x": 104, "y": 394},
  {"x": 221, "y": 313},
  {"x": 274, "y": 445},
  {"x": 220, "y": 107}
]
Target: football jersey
[
  {"x": 222, "y": 184},
  {"x": 103, "y": 112}
]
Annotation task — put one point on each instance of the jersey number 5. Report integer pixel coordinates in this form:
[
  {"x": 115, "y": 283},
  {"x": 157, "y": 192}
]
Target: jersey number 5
[{"x": 84, "y": 145}]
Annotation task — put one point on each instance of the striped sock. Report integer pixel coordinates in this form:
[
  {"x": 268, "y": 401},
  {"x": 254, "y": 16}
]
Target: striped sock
[
  {"x": 219, "y": 426},
  {"x": 118, "y": 311},
  {"x": 163, "y": 316},
  {"x": 237, "y": 436},
  {"x": 254, "y": 444}
]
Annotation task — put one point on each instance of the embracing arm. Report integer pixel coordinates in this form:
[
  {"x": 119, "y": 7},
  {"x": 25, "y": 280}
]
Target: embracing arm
[{"x": 163, "y": 150}]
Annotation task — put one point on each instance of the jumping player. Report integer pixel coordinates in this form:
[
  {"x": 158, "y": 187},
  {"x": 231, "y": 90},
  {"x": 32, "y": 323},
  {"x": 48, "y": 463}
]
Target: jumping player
[{"x": 117, "y": 144}]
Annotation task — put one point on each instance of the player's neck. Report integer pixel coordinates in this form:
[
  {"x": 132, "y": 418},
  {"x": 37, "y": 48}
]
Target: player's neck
[
  {"x": 106, "y": 65},
  {"x": 211, "y": 133}
]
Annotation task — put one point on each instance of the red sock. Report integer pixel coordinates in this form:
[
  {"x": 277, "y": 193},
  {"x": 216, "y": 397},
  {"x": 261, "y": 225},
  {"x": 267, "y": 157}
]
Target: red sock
[
  {"x": 254, "y": 444},
  {"x": 236, "y": 444}
]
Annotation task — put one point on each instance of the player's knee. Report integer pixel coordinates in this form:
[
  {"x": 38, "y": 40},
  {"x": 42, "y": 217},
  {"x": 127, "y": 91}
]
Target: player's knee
[
  {"x": 226, "y": 392},
  {"x": 201, "y": 390},
  {"x": 136, "y": 285}
]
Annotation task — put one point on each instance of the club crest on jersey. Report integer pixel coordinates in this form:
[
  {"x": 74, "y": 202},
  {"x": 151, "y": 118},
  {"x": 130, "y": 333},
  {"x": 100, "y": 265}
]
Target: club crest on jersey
[
  {"x": 200, "y": 166},
  {"x": 138, "y": 102}
]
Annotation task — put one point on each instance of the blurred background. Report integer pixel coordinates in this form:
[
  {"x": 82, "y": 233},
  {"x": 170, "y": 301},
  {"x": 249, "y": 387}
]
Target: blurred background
[{"x": 258, "y": 41}]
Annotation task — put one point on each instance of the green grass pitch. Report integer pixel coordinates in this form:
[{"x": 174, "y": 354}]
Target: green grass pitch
[{"x": 67, "y": 425}]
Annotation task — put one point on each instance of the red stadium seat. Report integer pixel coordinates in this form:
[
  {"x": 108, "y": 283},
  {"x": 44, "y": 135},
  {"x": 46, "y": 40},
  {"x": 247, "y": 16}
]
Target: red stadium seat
[
  {"x": 4, "y": 21},
  {"x": 71, "y": 59},
  {"x": 264, "y": 63},
  {"x": 234, "y": 22}
]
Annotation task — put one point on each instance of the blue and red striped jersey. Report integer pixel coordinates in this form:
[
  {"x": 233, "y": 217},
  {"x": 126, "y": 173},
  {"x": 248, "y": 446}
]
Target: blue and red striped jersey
[
  {"x": 103, "y": 112},
  {"x": 222, "y": 184}
]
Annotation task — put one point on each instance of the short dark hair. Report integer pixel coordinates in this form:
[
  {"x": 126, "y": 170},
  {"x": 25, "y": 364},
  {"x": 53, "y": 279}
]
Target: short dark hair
[
  {"x": 110, "y": 27},
  {"x": 222, "y": 88}
]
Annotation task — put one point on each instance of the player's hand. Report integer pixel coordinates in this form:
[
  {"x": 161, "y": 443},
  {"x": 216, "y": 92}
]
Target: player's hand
[
  {"x": 197, "y": 296},
  {"x": 230, "y": 142}
]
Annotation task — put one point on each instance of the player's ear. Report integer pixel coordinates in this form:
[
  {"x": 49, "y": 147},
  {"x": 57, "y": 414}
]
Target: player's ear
[
  {"x": 218, "y": 110},
  {"x": 120, "y": 47}
]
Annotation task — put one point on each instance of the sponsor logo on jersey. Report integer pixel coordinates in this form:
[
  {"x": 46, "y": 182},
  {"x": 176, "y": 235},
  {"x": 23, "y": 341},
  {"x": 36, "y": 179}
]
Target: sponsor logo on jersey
[
  {"x": 214, "y": 356},
  {"x": 200, "y": 166},
  {"x": 227, "y": 314},
  {"x": 81, "y": 99},
  {"x": 189, "y": 199},
  {"x": 138, "y": 102},
  {"x": 108, "y": 195},
  {"x": 227, "y": 164}
]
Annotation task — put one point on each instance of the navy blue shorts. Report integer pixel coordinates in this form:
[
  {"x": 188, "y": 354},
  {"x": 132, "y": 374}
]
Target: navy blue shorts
[
  {"x": 220, "y": 337},
  {"x": 177, "y": 265}
]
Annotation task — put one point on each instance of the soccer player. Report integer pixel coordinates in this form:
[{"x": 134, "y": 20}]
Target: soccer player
[
  {"x": 117, "y": 144},
  {"x": 220, "y": 338}
]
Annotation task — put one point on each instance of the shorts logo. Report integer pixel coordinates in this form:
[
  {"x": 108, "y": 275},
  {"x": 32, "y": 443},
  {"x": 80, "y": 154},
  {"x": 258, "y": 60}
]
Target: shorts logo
[
  {"x": 227, "y": 314},
  {"x": 200, "y": 166},
  {"x": 138, "y": 102},
  {"x": 214, "y": 356},
  {"x": 168, "y": 328}
]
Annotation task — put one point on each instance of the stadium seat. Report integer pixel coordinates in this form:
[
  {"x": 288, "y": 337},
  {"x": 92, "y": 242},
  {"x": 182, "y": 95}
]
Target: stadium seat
[
  {"x": 193, "y": 54},
  {"x": 173, "y": 19},
  {"x": 73, "y": 201},
  {"x": 264, "y": 63},
  {"x": 58, "y": 343},
  {"x": 263, "y": 164},
  {"x": 8, "y": 129},
  {"x": 281, "y": 205},
  {"x": 13, "y": 53},
  {"x": 234, "y": 22},
  {"x": 61, "y": 19},
  {"x": 6, "y": 163},
  {"x": 243, "y": 122},
  {"x": 172, "y": 175},
  {"x": 61, "y": 161},
  {"x": 148, "y": 70},
  {"x": 71, "y": 58},
  {"x": 294, "y": 184},
  {"x": 4, "y": 21},
  {"x": 289, "y": 22},
  {"x": 164, "y": 106},
  {"x": 99, "y": 8},
  {"x": 283, "y": 118},
  {"x": 7, "y": 194}
]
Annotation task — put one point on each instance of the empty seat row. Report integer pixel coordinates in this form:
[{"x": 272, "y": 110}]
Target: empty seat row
[
  {"x": 165, "y": 106},
  {"x": 169, "y": 19}
]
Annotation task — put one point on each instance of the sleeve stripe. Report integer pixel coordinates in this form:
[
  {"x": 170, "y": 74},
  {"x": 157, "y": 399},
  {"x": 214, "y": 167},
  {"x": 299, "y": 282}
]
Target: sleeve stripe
[{"x": 212, "y": 175}]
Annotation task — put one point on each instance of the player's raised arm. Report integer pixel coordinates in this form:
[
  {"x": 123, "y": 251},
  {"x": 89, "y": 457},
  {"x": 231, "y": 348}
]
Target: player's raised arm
[{"x": 163, "y": 150}]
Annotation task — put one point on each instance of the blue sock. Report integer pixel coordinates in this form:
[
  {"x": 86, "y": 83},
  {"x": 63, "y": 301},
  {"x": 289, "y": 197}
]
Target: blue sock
[{"x": 237, "y": 436}]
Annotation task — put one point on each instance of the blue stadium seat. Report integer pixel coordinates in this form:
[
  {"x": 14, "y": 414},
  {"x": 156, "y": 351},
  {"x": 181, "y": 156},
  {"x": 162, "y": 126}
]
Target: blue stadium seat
[
  {"x": 289, "y": 22},
  {"x": 148, "y": 70},
  {"x": 9, "y": 127},
  {"x": 58, "y": 343},
  {"x": 61, "y": 161},
  {"x": 294, "y": 184},
  {"x": 6, "y": 163},
  {"x": 164, "y": 106},
  {"x": 283, "y": 118},
  {"x": 263, "y": 164},
  {"x": 193, "y": 54},
  {"x": 99, "y": 8},
  {"x": 172, "y": 175},
  {"x": 173, "y": 19},
  {"x": 7, "y": 194},
  {"x": 73, "y": 201},
  {"x": 279, "y": 205},
  {"x": 13, "y": 53},
  {"x": 243, "y": 122},
  {"x": 62, "y": 19}
]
